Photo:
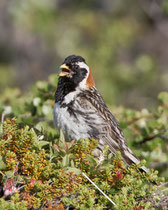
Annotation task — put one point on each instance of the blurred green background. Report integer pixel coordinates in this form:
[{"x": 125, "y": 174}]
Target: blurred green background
[{"x": 125, "y": 42}]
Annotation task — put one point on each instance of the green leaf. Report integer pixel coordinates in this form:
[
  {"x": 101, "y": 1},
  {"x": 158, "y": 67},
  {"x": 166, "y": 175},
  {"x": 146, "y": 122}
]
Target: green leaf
[
  {"x": 9, "y": 174},
  {"x": 112, "y": 191},
  {"x": 44, "y": 143},
  {"x": 65, "y": 160},
  {"x": 62, "y": 138},
  {"x": 91, "y": 160},
  {"x": 75, "y": 170},
  {"x": 2, "y": 164},
  {"x": 163, "y": 96}
]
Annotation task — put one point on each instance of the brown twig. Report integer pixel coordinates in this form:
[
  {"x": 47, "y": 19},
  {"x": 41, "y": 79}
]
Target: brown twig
[
  {"x": 162, "y": 203},
  {"x": 150, "y": 138}
]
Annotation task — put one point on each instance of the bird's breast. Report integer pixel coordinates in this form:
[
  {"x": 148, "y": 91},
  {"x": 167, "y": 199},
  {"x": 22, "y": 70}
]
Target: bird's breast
[{"x": 72, "y": 121}]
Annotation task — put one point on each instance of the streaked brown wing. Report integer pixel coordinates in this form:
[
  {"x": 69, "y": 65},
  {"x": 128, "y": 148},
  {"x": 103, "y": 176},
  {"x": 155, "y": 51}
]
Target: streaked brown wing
[
  {"x": 109, "y": 130},
  {"x": 112, "y": 133}
]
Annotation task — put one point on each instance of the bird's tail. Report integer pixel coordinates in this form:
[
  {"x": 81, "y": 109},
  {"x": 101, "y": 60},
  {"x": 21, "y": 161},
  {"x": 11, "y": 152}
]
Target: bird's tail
[{"x": 130, "y": 158}]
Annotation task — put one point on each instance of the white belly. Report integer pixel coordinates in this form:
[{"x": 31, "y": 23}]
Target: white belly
[{"x": 72, "y": 127}]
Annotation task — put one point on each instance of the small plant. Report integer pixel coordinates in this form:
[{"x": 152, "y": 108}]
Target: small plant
[
  {"x": 40, "y": 170},
  {"x": 50, "y": 176}
]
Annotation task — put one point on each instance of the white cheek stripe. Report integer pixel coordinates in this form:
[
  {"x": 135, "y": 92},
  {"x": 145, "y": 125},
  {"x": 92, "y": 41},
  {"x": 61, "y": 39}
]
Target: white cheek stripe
[
  {"x": 83, "y": 65},
  {"x": 82, "y": 84}
]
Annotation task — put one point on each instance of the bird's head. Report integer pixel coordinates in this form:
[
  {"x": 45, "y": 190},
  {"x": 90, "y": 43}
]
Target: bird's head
[{"x": 75, "y": 70}]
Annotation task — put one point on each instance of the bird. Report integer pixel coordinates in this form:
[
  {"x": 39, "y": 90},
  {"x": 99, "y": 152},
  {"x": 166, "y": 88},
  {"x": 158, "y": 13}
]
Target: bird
[{"x": 80, "y": 111}]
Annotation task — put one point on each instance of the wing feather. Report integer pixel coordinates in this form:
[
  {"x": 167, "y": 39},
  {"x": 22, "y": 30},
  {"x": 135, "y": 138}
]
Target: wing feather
[
  {"x": 109, "y": 130},
  {"x": 92, "y": 100}
]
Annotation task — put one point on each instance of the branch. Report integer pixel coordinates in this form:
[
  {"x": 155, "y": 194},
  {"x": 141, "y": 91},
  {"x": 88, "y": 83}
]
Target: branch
[{"x": 150, "y": 138}]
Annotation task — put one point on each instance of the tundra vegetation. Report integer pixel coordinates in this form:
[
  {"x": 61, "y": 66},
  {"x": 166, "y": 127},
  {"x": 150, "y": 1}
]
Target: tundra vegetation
[
  {"x": 125, "y": 46},
  {"x": 40, "y": 170}
]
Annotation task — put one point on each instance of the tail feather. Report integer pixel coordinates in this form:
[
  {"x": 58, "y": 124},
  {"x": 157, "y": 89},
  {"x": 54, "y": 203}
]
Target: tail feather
[{"x": 130, "y": 158}]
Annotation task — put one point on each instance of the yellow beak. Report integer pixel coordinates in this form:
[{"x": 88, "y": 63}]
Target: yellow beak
[{"x": 63, "y": 72}]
